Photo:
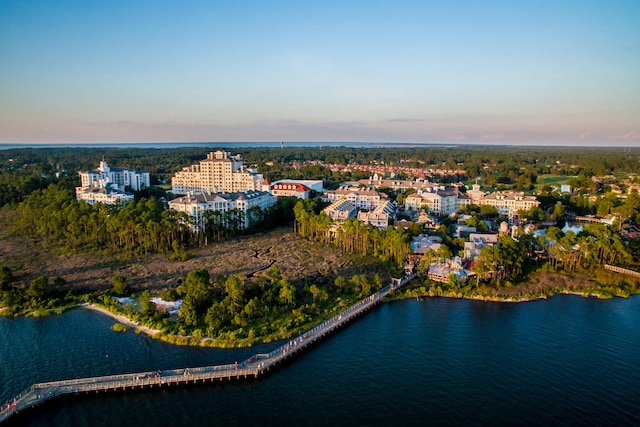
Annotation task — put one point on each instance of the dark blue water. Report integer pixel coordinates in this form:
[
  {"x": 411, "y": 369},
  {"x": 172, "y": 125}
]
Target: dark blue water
[{"x": 564, "y": 361}]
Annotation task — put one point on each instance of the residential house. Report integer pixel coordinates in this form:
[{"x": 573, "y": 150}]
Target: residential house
[{"x": 477, "y": 242}]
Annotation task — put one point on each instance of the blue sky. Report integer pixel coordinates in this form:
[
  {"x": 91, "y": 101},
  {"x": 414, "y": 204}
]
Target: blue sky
[{"x": 490, "y": 72}]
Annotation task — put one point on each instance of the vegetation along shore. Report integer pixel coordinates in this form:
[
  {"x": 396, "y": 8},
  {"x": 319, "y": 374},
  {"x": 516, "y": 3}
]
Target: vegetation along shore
[{"x": 290, "y": 265}]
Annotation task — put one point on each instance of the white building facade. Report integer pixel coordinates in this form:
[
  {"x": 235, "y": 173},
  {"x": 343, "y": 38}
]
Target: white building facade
[
  {"x": 107, "y": 193},
  {"x": 508, "y": 203},
  {"x": 290, "y": 189},
  {"x": 122, "y": 177},
  {"x": 107, "y": 185}
]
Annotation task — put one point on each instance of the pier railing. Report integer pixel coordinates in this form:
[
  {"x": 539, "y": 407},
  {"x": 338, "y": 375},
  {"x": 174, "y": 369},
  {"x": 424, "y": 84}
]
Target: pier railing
[
  {"x": 254, "y": 366},
  {"x": 622, "y": 270}
]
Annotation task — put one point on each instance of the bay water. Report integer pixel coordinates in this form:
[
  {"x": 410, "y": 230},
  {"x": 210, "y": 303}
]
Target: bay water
[{"x": 567, "y": 360}]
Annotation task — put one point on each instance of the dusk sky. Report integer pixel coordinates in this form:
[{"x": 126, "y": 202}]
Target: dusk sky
[{"x": 487, "y": 72}]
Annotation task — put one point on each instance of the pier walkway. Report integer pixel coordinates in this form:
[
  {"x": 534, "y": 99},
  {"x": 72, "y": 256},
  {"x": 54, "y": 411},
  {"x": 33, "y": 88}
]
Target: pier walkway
[
  {"x": 253, "y": 367},
  {"x": 622, "y": 270}
]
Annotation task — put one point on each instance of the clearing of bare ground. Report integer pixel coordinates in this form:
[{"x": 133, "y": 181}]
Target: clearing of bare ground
[{"x": 300, "y": 261}]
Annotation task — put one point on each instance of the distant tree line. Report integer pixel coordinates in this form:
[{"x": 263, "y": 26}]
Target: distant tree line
[{"x": 27, "y": 169}]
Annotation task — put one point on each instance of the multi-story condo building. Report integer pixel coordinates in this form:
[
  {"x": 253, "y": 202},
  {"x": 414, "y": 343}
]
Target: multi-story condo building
[
  {"x": 361, "y": 199},
  {"x": 380, "y": 216},
  {"x": 341, "y": 210},
  {"x": 509, "y": 202},
  {"x": 219, "y": 172},
  {"x": 398, "y": 185},
  {"x": 195, "y": 205},
  {"x": 506, "y": 202},
  {"x": 107, "y": 185},
  {"x": 123, "y": 177},
  {"x": 448, "y": 201},
  {"x": 439, "y": 202}
]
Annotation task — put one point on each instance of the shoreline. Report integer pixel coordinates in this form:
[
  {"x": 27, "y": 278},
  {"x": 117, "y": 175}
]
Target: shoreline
[
  {"x": 157, "y": 334},
  {"x": 124, "y": 320}
]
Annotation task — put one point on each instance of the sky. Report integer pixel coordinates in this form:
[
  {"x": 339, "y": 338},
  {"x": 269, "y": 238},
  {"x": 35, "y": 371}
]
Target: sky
[{"x": 557, "y": 72}]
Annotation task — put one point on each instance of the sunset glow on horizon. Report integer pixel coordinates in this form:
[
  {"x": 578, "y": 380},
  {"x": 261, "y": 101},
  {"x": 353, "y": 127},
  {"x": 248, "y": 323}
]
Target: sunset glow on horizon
[{"x": 463, "y": 72}]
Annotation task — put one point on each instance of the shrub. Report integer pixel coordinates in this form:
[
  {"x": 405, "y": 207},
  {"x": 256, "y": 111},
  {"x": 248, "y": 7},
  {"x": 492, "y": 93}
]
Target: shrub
[{"x": 119, "y": 327}]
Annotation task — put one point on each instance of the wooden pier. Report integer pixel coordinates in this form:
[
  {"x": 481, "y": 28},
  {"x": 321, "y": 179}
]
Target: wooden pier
[
  {"x": 253, "y": 367},
  {"x": 622, "y": 270}
]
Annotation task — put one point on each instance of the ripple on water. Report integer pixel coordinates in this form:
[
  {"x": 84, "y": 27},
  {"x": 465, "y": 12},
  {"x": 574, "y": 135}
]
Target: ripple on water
[{"x": 563, "y": 361}]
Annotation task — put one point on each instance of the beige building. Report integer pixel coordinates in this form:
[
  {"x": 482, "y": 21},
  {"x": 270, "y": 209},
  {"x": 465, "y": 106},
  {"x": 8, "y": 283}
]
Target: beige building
[
  {"x": 509, "y": 202},
  {"x": 196, "y": 205},
  {"x": 439, "y": 202},
  {"x": 341, "y": 210},
  {"x": 506, "y": 202},
  {"x": 399, "y": 185},
  {"x": 360, "y": 198},
  {"x": 380, "y": 216},
  {"x": 219, "y": 172}
]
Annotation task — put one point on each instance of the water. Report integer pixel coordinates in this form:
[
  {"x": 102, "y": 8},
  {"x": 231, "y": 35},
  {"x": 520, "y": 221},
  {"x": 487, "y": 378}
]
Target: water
[
  {"x": 564, "y": 361},
  {"x": 168, "y": 145}
]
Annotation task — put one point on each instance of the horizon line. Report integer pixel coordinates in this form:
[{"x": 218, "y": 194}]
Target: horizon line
[{"x": 315, "y": 143}]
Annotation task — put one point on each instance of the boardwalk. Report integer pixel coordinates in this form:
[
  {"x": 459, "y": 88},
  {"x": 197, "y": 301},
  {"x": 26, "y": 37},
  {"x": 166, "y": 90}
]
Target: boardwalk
[
  {"x": 622, "y": 270},
  {"x": 253, "y": 367}
]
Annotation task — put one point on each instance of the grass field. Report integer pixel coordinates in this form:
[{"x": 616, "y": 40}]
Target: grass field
[{"x": 556, "y": 179}]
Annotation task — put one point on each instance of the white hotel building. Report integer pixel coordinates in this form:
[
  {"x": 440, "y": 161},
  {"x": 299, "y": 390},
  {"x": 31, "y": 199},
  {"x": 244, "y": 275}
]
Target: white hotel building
[
  {"x": 122, "y": 177},
  {"x": 106, "y": 193},
  {"x": 107, "y": 185}
]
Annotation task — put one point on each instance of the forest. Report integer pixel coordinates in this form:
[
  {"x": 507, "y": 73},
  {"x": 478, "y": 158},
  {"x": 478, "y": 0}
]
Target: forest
[
  {"x": 23, "y": 170},
  {"x": 36, "y": 192},
  {"x": 54, "y": 217},
  {"x": 232, "y": 311}
]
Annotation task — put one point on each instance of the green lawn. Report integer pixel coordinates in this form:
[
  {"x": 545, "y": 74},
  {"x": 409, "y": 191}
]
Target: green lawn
[{"x": 556, "y": 179}]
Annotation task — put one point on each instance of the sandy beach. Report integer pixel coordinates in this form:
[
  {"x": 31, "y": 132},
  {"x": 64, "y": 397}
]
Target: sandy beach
[{"x": 123, "y": 320}]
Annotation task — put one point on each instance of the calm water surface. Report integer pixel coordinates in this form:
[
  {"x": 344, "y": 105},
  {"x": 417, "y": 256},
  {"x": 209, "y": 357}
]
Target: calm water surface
[{"x": 564, "y": 361}]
